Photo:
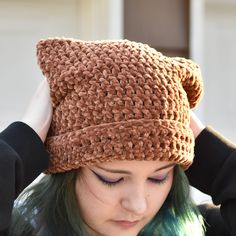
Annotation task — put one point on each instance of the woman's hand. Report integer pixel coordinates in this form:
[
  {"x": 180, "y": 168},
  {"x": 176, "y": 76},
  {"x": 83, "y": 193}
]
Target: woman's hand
[
  {"x": 39, "y": 113},
  {"x": 196, "y": 125}
]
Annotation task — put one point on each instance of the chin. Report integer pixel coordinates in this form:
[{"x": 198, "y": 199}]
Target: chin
[{"x": 117, "y": 232}]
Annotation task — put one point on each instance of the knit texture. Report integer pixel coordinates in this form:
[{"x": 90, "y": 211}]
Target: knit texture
[{"x": 117, "y": 100}]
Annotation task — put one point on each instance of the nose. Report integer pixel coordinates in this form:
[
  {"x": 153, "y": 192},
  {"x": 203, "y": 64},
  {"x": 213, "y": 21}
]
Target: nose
[{"x": 135, "y": 201}]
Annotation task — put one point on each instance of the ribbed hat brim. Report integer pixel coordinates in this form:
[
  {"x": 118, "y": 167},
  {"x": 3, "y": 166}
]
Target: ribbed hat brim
[{"x": 144, "y": 139}]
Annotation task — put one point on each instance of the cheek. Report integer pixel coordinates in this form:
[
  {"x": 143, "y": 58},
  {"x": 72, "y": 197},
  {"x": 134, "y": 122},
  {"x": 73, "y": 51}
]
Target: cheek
[
  {"x": 88, "y": 189},
  {"x": 159, "y": 194},
  {"x": 94, "y": 202}
]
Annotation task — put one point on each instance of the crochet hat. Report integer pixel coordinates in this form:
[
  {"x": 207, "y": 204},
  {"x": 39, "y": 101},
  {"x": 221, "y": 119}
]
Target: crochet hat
[{"x": 117, "y": 100}]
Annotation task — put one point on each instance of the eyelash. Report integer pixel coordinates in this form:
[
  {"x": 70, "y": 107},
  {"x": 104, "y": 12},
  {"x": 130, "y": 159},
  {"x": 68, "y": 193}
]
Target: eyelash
[
  {"x": 159, "y": 181},
  {"x": 106, "y": 182},
  {"x": 111, "y": 184}
]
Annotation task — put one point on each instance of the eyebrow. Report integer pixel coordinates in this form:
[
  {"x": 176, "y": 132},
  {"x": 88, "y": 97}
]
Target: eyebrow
[{"x": 128, "y": 172}]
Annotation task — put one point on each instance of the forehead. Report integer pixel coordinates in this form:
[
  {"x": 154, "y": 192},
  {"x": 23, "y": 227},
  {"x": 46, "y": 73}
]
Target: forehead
[{"x": 133, "y": 166}]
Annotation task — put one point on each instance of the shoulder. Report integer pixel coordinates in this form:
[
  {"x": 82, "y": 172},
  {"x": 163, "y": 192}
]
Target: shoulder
[{"x": 214, "y": 223}]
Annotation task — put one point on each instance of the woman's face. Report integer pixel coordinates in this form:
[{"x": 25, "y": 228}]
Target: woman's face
[{"x": 121, "y": 197}]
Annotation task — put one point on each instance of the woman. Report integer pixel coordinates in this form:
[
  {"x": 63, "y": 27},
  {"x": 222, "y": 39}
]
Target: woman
[{"x": 131, "y": 186}]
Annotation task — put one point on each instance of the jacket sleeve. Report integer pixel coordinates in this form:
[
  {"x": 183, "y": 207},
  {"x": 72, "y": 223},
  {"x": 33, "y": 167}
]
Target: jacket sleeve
[
  {"x": 22, "y": 158},
  {"x": 214, "y": 172}
]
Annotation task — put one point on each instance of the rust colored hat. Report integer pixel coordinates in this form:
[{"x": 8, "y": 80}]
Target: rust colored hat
[{"x": 117, "y": 100}]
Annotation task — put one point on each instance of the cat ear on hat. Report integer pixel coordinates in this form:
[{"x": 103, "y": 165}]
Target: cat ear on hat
[
  {"x": 56, "y": 59},
  {"x": 191, "y": 79}
]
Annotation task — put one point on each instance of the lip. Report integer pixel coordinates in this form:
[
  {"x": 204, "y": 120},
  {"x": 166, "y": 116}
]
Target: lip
[{"x": 126, "y": 223}]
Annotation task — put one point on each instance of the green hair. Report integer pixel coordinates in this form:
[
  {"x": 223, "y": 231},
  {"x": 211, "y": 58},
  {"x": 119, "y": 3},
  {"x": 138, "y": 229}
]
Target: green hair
[
  {"x": 178, "y": 216},
  {"x": 49, "y": 208}
]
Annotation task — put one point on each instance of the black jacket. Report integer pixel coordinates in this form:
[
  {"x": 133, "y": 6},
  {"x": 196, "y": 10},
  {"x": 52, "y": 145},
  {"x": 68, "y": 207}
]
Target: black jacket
[
  {"x": 23, "y": 158},
  {"x": 214, "y": 172}
]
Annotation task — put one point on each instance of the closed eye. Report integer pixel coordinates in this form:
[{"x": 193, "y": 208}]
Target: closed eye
[
  {"x": 158, "y": 180},
  {"x": 112, "y": 182},
  {"x": 106, "y": 181}
]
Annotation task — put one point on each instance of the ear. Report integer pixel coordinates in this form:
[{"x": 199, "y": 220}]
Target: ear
[
  {"x": 57, "y": 59},
  {"x": 191, "y": 79}
]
